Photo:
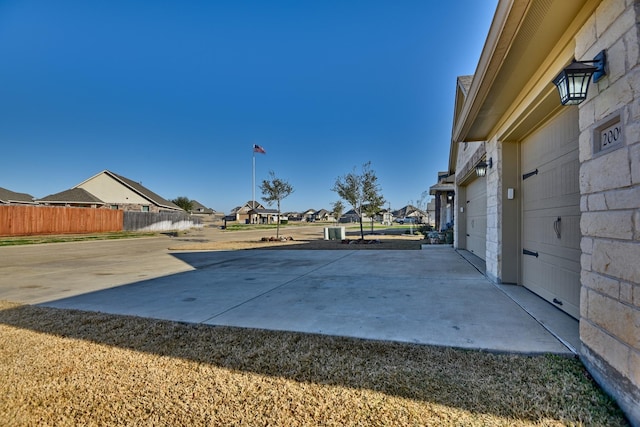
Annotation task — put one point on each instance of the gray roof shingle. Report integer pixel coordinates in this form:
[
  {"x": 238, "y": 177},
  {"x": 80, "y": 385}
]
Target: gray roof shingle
[
  {"x": 8, "y": 196},
  {"x": 198, "y": 207},
  {"x": 74, "y": 195}
]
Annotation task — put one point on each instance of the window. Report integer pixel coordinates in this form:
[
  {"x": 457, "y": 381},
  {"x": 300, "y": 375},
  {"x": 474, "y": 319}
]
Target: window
[
  {"x": 145, "y": 209},
  {"x": 115, "y": 207}
]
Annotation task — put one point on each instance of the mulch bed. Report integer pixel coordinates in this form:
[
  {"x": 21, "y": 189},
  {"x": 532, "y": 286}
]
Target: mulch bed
[{"x": 388, "y": 242}]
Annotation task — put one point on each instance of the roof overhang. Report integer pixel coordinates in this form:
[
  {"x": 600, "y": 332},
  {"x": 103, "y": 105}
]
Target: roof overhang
[
  {"x": 462, "y": 90},
  {"x": 528, "y": 43},
  {"x": 434, "y": 189}
]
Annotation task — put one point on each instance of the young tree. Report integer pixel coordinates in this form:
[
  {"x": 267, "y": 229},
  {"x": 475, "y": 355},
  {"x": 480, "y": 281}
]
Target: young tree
[
  {"x": 183, "y": 202},
  {"x": 372, "y": 209},
  {"x": 274, "y": 190},
  {"x": 361, "y": 191},
  {"x": 338, "y": 210},
  {"x": 423, "y": 203}
]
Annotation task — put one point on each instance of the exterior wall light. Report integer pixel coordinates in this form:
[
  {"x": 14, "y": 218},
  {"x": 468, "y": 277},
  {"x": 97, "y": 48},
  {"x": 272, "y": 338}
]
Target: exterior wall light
[
  {"x": 573, "y": 81},
  {"x": 481, "y": 168}
]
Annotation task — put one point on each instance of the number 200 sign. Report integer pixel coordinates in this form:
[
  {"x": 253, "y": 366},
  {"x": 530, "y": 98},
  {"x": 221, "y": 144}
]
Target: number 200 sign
[{"x": 610, "y": 136}]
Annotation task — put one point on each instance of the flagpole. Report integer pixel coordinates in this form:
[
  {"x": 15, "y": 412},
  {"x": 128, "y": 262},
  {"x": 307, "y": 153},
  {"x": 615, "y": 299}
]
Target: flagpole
[{"x": 259, "y": 149}]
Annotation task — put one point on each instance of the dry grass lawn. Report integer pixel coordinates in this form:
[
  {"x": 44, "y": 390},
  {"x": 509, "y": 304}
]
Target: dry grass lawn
[{"x": 64, "y": 367}]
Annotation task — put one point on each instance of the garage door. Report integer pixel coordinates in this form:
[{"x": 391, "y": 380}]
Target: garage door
[
  {"x": 477, "y": 217},
  {"x": 551, "y": 212}
]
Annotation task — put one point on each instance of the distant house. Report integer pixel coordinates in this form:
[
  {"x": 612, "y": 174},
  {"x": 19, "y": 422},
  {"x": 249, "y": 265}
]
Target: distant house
[
  {"x": 293, "y": 216},
  {"x": 264, "y": 216},
  {"x": 349, "y": 216},
  {"x": 75, "y": 197},
  {"x": 411, "y": 211},
  {"x": 352, "y": 216},
  {"x": 118, "y": 192},
  {"x": 384, "y": 217},
  {"x": 199, "y": 208},
  {"x": 431, "y": 212},
  {"x": 8, "y": 197},
  {"x": 242, "y": 214},
  {"x": 308, "y": 215},
  {"x": 323, "y": 215}
]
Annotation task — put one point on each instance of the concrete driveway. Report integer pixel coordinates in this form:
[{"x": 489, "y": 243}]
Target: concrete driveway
[{"x": 433, "y": 296}]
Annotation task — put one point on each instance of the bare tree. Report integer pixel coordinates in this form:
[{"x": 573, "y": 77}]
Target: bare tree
[
  {"x": 274, "y": 190},
  {"x": 361, "y": 191}
]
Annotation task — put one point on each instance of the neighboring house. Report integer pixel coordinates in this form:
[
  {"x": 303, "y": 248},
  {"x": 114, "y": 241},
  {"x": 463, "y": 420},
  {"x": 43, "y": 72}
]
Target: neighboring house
[
  {"x": 557, "y": 211},
  {"x": 349, "y": 216},
  {"x": 444, "y": 199},
  {"x": 308, "y": 215},
  {"x": 352, "y": 216},
  {"x": 431, "y": 212},
  {"x": 75, "y": 197},
  {"x": 385, "y": 217},
  {"x": 293, "y": 216},
  {"x": 323, "y": 215},
  {"x": 264, "y": 216},
  {"x": 202, "y": 211},
  {"x": 8, "y": 197},
  {"x": 118, "y": 192},
  {"x": 241, "y": 214},
  {"x": 411, "y": 211},
  {"x": 199, "y": 208}
]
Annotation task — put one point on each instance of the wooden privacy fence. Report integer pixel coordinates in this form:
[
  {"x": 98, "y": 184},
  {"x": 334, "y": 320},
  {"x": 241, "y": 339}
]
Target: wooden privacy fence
[
  {"x": 16, "y": 220},
  {"x": 159, "y": 221}
]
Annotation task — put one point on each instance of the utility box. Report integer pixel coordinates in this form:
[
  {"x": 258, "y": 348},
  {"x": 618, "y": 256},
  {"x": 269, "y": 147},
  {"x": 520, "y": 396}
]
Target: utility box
[{"x": 334, "y": 233}]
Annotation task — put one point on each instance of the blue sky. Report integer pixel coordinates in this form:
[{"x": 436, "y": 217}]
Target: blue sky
[{"x": 175, "y": 93}]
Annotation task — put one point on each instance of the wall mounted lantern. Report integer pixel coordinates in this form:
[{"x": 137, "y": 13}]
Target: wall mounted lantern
[
  {"x": 481, "y": 168},
  {"x": 573, "y": 81}
]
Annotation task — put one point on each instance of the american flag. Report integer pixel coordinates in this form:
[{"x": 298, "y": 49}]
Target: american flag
[{"x": 258, "y": 149}]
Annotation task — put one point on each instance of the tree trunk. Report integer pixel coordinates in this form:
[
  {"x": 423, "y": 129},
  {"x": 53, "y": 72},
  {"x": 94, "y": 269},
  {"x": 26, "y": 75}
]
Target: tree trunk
[
  {"x": 278, "y": 222},
  {"x": 361, "y": 229}
]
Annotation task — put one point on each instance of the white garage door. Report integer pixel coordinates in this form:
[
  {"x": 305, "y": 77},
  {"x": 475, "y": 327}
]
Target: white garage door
[
  {"x": 477, "y": 217},
  {"x": 551, "y": 212}
]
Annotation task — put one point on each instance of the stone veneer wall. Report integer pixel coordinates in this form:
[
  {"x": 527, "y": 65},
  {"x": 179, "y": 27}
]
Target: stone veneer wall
[
  {"x": 493, "y": 254},
  {"x": 610, "y": 205}
]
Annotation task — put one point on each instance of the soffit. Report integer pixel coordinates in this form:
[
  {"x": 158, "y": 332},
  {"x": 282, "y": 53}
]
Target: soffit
[
  {"x": 523, "y": 34},
  {"x": 463, "y": 83}
]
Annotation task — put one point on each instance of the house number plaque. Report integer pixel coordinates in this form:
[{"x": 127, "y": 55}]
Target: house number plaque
[{"x": 609, "y": 135}]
